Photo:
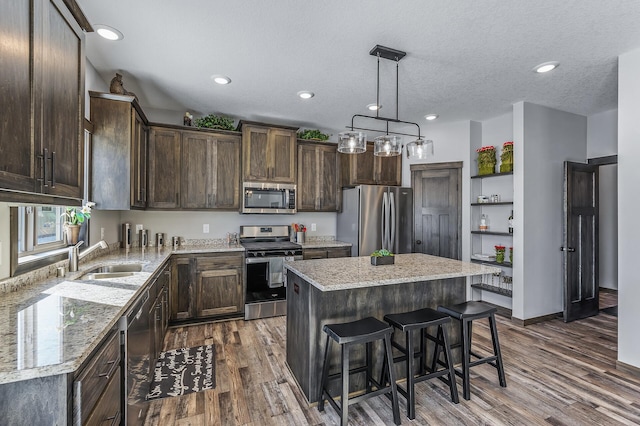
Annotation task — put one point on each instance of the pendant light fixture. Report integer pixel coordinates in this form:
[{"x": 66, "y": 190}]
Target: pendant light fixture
[{"x": 390, "y": 144}]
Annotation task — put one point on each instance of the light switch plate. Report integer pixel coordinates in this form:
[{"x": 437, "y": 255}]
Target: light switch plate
[
  {"x": 313, "y": 226},
  {"x": 139, "y": 228},
  {"x": 205, "y": 228}
]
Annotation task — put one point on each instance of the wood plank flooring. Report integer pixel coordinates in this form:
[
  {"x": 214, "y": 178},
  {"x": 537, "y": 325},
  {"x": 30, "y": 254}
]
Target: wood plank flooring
[{"x": 557, "y": 374}]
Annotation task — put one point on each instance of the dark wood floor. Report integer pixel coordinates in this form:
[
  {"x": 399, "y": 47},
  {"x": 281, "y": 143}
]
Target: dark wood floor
[{"x": 557, "y": 373}]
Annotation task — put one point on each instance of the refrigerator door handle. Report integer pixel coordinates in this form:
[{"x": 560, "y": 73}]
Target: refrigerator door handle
[
  {"x": 383, "y": 220},
  {"x": 392, "y": 236}
]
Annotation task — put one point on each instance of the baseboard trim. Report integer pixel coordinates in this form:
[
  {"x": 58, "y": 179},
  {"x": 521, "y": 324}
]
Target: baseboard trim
[
  {"x": 630, "y": 369},
  {"x": 536, "y": 320}
]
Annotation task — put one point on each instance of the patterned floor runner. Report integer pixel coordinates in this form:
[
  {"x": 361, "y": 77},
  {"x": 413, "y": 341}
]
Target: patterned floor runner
[{"x": 182, "y": 371}]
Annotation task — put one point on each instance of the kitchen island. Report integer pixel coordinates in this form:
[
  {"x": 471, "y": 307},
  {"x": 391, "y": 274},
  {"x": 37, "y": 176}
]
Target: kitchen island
[{"x": 347, "y": 289}]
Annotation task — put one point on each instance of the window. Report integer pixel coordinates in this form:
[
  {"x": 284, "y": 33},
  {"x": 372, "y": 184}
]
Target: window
[{"x": 40, "y": 229}]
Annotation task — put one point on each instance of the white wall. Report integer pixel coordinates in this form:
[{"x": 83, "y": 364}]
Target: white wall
[
  {"x": 451, "y": 143},
  {"x": 602, "y": 140},
  {"x": 628, "y": 207},
  {"x": 189, "y": 224},
  {"x": 546, "y": 138}
]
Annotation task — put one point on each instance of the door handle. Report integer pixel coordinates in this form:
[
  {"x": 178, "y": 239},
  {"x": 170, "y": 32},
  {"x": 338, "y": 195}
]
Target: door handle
[
  {"x": 392, "y": 236},
  {"x": 567, "y": 249},
  {"x": 53, "y": 169},
  {"x": 418, "y": 242}
]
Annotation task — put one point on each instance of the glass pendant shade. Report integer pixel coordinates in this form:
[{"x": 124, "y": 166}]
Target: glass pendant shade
[
  {"x": 352, "y": 142},
  {"x": 387, "y": 146},
  {"x": 420, "y": 149}
]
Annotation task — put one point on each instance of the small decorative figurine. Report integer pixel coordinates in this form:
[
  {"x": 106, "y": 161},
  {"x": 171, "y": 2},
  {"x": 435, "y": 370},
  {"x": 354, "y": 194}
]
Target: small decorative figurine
[
  {"x": 188, "y": 119},
  {"x": 117, "y": 87}
]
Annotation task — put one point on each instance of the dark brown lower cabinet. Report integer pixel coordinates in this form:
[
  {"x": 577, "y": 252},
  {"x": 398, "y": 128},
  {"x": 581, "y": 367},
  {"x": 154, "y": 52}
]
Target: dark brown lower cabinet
[
  {"x": 96, "y": 387},
  {"x": 207, "y": 286}
]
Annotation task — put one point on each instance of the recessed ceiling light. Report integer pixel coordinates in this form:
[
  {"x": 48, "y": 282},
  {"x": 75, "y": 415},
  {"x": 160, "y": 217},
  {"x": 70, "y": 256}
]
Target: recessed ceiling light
[
  {"x": 108, "y": 32},
  {"x": 546, "y": 67},
  {"x": 431, "y": 117},
  {"x": 221, "y": 79},
  {"x": 374, "y": 107},
  {"x": 305, "y": 94}
]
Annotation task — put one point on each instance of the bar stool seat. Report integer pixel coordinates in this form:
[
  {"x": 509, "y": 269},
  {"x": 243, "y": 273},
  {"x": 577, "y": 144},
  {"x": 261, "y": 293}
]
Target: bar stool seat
[
  {"x": 422, "y": 319},
  {"x": 466, "y": 313},
  {"x": 364, "y": 331}
]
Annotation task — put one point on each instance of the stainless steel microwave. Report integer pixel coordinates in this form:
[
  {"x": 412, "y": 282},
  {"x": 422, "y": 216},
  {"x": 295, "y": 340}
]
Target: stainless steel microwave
[{"x": 260, "y": 197}]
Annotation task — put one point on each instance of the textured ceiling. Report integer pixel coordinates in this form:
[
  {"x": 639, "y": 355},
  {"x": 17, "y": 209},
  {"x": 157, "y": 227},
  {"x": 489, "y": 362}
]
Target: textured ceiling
[{"x": 466, "y": 59}]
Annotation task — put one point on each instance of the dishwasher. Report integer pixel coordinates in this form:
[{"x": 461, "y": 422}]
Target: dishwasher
[{"x": 136, "y": 331}]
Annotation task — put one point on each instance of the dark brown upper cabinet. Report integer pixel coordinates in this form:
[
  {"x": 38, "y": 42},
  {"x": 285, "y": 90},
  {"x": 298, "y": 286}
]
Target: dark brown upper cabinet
[
  {"x": 210, "y": 171},
  {"x": 164, "y": 168},
  {"x": 317, "y": 177},
  {"x": 119, "y": 152},
  {"x": 367, "y": 169},
  {"x": 42, "y": 99},
  {"x": 268, "y": 152}
]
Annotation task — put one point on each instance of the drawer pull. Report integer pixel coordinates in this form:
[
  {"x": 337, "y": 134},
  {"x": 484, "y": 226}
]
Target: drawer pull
[
  {"x": 108, "y": 374},
  {"x": 115, "y": 419}
]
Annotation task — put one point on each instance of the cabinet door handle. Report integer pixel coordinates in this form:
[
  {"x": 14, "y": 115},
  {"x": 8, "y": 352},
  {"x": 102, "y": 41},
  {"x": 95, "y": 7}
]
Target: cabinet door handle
[
  {"x": 44, "y": 167},
  {"x": 568, "y": 249},
  {"x": 177, "y": 199},
  {"x": 109, "y": 373},
  {"x": 53, "y": 169}
]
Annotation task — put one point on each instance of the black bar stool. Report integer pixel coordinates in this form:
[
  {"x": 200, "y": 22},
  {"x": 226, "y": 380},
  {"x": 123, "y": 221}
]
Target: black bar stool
[
  {"x": 465, "y": 313},
  {"x": 364, "y": 331},
  {"x": 421, "y": 320}
]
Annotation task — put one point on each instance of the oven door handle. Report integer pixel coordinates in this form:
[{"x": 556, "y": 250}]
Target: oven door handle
[{"x": 250, "y": 260}]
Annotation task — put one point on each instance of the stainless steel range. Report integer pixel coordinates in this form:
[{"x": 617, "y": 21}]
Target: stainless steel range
[{"x": 266, "y": 248}]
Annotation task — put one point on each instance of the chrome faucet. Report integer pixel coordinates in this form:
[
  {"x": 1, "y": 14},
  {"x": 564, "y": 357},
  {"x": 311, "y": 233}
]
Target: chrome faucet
[{"x": 74, "y": 256}]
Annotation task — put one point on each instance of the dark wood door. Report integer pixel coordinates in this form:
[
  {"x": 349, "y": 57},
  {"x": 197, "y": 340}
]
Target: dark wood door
[
  {"x": 182, "y": 293},
  {"x": 254, "y": 153},
  {"x": 219, "y": 292},
  {"x": 61, "y": 100},
  {"x": 164, "y": 168},
  {"x": 580, "y": 241},
  {"x": 18, "y": 166},
  {"x": 328, "y": 179},
  {"x": 308, "y": 175},
  {"x": 388, "y": 170},
  {"x": 437, "y": 208},
  {"x": 197, "y": 170},
  {"x": 282, "y": 155},
  {"x": 139, "y": 144},
  {"x": 226, "y": 178}
]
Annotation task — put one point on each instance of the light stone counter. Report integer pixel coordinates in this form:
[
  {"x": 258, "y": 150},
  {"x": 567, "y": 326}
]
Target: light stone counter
[
  {"x": 50, "y": 327},
  {"x": 358, "y": 272}
]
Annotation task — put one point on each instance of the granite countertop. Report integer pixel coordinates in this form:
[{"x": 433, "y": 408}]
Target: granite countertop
[
  {"x": 50, "y": 327},
  {"x": 324, "y": 244},
  {"x": 357, "y": 272}
]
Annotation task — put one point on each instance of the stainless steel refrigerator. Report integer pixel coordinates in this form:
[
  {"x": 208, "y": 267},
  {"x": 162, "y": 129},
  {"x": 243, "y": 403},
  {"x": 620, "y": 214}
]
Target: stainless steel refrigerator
[{"x": 376, "y": 217}]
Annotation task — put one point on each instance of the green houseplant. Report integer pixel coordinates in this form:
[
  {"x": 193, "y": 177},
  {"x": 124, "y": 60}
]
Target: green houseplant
[
  {"x": 506, "y": 158},
  {"x": 486, "y": 160},
  {"x": 382, "y": 257},
  {"x": 73, "y": 219},
  {"x": 212, "y": 121},
  {"x": 313, "y": 134}
]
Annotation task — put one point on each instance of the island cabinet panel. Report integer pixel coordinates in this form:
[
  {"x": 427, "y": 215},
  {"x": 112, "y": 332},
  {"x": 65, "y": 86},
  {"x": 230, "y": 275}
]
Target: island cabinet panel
[
  {"x": 164, "y": 168},
  {"x": 42, "y": 99},
  {"x": 367, "y": 169},
  {"x": 210, "y": 171},
  {"x": 308, "y": 309},
  {"x": 119, "y": 152},
  {"x": 317, "y": 177},
  {"x": 207, "y": 286},
  {"x": 268, "y": 152}
]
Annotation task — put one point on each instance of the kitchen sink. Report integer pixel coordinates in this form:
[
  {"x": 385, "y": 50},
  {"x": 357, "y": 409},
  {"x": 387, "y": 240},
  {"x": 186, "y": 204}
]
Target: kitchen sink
[{"x": 112, "y": 271}]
